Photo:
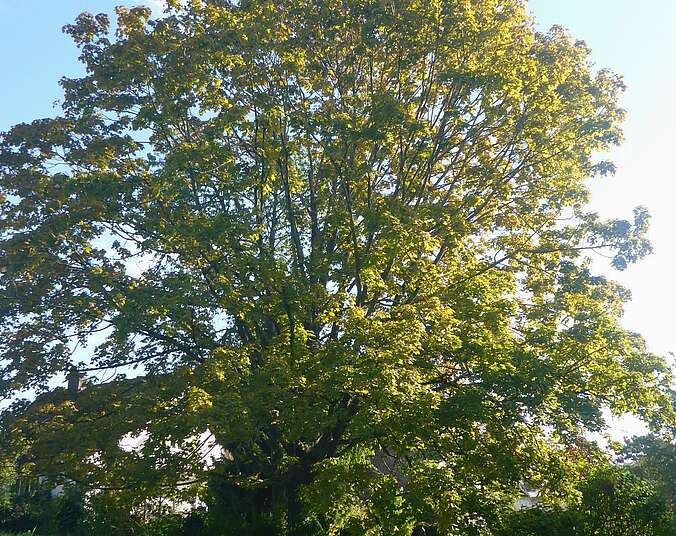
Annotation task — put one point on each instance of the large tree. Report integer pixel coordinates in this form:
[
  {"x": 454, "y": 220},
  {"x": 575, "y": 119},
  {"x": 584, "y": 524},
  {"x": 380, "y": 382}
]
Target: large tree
[{"x": 347, "y": 239}]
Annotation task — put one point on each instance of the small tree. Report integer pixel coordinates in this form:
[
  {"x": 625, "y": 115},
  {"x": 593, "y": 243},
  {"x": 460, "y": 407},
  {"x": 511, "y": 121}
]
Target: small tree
[
  {"x": 616, "y": 502},
  {"x": 653, "y": 458}
]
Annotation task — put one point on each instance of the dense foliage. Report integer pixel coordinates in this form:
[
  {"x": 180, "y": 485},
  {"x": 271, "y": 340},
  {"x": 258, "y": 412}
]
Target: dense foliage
[
  {"x": 344, "y": 244},
  {"x": 653, "y": 458},
  {"x": 613, "y": 502}
]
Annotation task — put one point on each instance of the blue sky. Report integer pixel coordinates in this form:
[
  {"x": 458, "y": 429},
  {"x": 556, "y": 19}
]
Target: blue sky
[{"x": 636, "y": 39}]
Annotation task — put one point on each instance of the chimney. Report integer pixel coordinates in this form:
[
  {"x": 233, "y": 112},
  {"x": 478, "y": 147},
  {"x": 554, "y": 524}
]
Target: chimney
[{"x": 75, "y": 380}]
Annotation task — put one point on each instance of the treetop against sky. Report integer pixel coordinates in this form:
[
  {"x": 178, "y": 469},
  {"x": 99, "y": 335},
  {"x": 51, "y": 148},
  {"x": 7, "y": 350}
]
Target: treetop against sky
[{"x": 637, "y": 42}]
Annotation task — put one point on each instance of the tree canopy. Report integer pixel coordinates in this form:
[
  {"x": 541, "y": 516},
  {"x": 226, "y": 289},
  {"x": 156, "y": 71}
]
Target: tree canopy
[{"x": 346, "y": 241}]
